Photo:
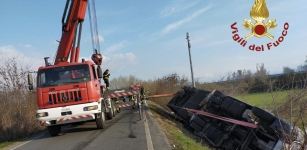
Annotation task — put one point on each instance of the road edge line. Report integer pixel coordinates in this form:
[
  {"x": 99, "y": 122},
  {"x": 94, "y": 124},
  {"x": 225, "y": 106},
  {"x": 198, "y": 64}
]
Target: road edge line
[
  {"x": 147, "y": 131},
  {"x": 23, "y": 143}
]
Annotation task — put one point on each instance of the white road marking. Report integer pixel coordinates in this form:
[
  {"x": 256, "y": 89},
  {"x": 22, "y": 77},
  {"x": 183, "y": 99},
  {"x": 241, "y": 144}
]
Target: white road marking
[
  {"x": 30, "y": 140},
  {"x": 149, "y": 112},
  {"x": 148, "y": 136}
]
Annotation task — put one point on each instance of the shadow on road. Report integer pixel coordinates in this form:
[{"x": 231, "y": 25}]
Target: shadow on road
[{"x": 87, "y": 126}]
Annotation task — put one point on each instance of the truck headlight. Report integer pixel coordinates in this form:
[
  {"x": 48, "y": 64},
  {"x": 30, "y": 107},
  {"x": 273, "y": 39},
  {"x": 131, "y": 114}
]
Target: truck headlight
[
  {"x": 44, "y": 114},
  {"x": 90, "y": 108}
]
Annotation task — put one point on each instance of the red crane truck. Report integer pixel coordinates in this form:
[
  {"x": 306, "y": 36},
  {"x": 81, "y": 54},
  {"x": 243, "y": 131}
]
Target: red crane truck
[{"x": 71, "y": 91}]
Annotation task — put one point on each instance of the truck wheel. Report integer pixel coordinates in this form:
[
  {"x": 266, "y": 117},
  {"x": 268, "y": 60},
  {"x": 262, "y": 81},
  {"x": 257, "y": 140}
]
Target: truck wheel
[
  {"x": 110, "y": 113},
  {"x": 214, "y": 99},
  {"x": 262, "y": 114},
  {"x": 54, "y": 130},
  {"x": 113, "y": 109},
  {"x": 101, "y": 120},
  {"x": 196, "y": 127},
  {"x": 219, "y": 94}
]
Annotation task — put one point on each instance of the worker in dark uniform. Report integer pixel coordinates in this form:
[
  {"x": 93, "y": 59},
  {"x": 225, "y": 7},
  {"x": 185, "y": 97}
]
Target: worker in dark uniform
[{"x": 106, "y": 76}]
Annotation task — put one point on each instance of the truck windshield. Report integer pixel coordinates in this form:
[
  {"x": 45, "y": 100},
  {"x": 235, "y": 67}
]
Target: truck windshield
[{"x": 63, "y": 76}]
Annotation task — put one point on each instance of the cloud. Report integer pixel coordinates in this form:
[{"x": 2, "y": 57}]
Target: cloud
[
  {"x": 205, "y": 77},
  {"x": 100, "y": 38},
  {"x": 177, "y": 24},
  {"x": 10, "y": 52},
  {"x": 28, "y": 45},
  {"x": 168, "y": 11},
  {"x": 121, "y": 58},
  {"x": 116, "y": 62},
  {"x": 7, "y": 51},
  {"x": 176, "y": 8},
  {"x": 116, "y": 47},
  {"x": 218, "y": 43},
  {"x": 89, "y": 39}
]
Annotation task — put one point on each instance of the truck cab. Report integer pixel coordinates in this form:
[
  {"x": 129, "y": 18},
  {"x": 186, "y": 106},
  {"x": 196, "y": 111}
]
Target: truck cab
[
  {"x": 68, "y": 93},
  {"x": 67, "y": 84}
]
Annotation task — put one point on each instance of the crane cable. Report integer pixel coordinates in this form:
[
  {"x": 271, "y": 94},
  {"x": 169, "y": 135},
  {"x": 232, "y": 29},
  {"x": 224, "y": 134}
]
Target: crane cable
[
  {"x": 93, "y": 27},
  {"x": 96, "y": 28}
]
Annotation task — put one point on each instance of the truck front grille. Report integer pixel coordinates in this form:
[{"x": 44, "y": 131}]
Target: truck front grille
[{"x": 66, "y": 97}]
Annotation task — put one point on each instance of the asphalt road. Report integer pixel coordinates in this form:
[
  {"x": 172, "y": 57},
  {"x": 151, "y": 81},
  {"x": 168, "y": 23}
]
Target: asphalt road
[{"x": 125, "y": 131}]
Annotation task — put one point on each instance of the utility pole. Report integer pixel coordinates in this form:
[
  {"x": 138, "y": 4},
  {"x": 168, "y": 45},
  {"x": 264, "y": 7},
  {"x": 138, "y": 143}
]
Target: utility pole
[{"x": 189, "y": 46}]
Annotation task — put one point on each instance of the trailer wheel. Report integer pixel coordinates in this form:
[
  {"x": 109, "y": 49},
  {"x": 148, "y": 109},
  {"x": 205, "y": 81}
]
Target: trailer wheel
[
  {"x": 101, "y": 120},
  {"x": 262, "y": 114},
  {"x": 214, "y": 99},
  {"x": 219, "y": 94},
  {"x": 196, "y": 127},
  {"x": 198, "y": 121},
  {"x": 54, "y": 130}
]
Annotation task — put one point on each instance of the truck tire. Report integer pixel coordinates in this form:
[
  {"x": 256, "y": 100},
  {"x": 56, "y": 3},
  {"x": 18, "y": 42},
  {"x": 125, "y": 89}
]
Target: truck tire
[
  {"x": 113, "y": 109},
  {"x": 214, "y": 99},
  {"x": 101, "y": 120},
  {"x": 219, "y": 94},
  {"x": 54, "y": 130},
  {"x": 196, "y": 127},
  {"x": 262, "y": 114},
  {"x": 198, "y": 121},
  {"x": 110, "y": 113}
]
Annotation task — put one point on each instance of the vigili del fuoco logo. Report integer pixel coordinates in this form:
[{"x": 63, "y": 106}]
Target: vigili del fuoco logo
[{"x": 259, "y": 13}]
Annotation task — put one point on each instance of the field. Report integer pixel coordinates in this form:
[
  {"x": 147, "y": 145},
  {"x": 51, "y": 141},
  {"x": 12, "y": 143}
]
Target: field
[{"x": 265, "y": 100}]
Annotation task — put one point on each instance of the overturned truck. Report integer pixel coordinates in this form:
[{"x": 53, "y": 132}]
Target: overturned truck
[{"x": 228, "y": 123}]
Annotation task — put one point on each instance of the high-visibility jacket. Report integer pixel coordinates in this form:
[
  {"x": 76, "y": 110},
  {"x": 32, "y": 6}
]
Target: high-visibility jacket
[{"x": 106, "y": 75}]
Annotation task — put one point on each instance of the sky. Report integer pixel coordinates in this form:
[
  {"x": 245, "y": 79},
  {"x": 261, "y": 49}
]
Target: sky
[{"x": 148, "y": 38}]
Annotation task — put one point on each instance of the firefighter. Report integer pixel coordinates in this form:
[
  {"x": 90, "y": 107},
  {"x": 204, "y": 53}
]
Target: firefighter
[{"x": 106, "y": 76}]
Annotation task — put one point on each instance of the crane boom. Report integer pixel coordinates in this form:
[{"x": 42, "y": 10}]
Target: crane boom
[
  {"x": 76, "y": 12},
  {"x": 72, "y": 89}
]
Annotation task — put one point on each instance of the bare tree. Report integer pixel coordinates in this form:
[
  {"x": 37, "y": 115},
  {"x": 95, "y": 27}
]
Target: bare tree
[{"x": 17, "y": 105}]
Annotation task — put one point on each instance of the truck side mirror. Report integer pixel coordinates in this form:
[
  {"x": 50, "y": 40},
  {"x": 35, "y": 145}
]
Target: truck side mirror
[
  {"x": 30, "y": 82},
  {"x": 99, "y": 72}
]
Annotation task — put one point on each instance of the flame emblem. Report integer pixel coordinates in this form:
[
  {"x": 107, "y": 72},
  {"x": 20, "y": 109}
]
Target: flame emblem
[{"x": 259, "y": 13}]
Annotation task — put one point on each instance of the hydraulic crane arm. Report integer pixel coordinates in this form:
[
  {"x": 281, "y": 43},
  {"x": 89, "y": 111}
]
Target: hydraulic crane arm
[{"x": 73, "y": 16}]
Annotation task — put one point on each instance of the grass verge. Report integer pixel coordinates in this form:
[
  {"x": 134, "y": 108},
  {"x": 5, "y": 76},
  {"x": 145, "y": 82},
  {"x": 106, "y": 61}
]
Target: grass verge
[
  {"x": 278, "y": 102},
  {"x": 180, "y": 135},
  {"x": 265, "y": 100},
  {"x": 7, "y": 144}
]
